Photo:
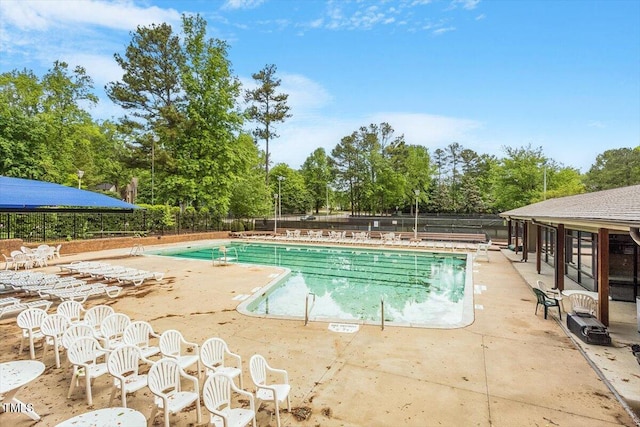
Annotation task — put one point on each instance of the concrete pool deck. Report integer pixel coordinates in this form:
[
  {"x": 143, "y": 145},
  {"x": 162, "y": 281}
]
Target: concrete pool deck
[{"x": 510, "y": 367}]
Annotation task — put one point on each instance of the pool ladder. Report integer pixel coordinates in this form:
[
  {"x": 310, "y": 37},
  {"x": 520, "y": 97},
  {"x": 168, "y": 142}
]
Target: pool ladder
[{"x": 307, "y": 309}]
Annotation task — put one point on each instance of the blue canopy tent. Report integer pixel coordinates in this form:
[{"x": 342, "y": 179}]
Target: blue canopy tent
[{"x": 25, "y": 195}]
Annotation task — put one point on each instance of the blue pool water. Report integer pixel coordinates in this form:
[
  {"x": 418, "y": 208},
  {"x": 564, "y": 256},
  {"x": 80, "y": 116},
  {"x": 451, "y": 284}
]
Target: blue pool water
[{"x": 347, "y": 284}]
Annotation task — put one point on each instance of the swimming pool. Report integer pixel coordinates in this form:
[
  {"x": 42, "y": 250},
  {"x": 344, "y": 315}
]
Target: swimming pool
[{"x": 418, "y": 288}]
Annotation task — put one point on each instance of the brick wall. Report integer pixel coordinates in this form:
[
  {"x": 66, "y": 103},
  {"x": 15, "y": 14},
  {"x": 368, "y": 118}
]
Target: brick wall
[{"x": 80, "y": 246}]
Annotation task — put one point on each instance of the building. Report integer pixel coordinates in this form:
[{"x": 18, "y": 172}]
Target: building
[{"x": 591, "y": 238}]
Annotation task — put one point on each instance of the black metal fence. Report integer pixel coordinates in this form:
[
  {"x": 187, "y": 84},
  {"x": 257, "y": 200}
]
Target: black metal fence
[
  {"x": 58, "y": 226},
  {"x": 492, "y": 226}
]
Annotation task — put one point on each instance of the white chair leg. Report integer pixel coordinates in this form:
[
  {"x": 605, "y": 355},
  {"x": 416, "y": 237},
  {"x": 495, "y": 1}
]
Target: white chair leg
[
  {"x": 88, "y": 387},
  {"x": 74, "y": 378}
]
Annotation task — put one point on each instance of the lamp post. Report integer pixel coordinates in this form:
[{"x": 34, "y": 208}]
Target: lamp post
[
  {"x": 275, "y": 214},
  {"x": 280, "y": 179},
  {"x": 328, "y": 201},
  {"x": 415, "y": 229},
  {"x": 156, "y": 138},
  {"x": 80, "y": 175}
]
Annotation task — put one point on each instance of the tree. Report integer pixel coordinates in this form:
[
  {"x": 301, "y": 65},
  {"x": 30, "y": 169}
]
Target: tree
[
  {"x": 614, "y": 168},
  {"x": 519, "y": 179},
  {"x": 316, "y": 171},
  {"x": 152, "y": 93},
  {"x": 205, "y": 151},
  {"x": 266, "y": 108},
  {"x": 294, "y": 197}
]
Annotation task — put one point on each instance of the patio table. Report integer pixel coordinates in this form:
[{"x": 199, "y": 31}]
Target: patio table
[
  {"x": 13, "y": 376},
  {"x": 107, "y": 417}
]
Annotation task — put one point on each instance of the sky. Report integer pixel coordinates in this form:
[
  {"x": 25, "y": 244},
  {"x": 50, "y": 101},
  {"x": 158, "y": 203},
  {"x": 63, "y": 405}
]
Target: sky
[{"x": 563, "y": 75}]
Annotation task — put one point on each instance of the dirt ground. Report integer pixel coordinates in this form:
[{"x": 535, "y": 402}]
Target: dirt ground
[{"x": 509, "y": 368}]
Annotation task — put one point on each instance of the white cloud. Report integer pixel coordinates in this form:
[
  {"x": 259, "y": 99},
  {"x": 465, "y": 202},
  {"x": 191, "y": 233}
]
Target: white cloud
[
  {"x": 43, "y": 15},
  {"x": 481, "y": 17},
  {"x": 102, "y": 68},
  {"x": 299, "y": 139},
  {"x": 242, "y": 4},
  {"x": 466, "y": 4},
  {"x": 443, "y": 30},
  {"x": 596, "y": 124}
]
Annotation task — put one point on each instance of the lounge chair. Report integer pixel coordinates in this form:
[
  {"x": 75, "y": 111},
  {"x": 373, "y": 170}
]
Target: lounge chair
[{"x": 19, "y": 307}]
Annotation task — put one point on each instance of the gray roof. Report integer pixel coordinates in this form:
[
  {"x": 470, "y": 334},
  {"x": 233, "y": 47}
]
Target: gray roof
[{"x": 619, "y": 206}]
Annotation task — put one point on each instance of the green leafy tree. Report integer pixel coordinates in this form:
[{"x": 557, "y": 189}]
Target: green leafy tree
[
  {"x": 294, "y": 196},
  {"x": 520, "y": 177},
  {"x": 316, "y": 171},
  {"x": 22, "y": 130},
  {"x": 152, "y": 93},
  {"x": 250, "y": 196},
  {"x": 614, "y": 168},
  {"x": 266, "y": 108},
  {"x": 206, "y": 156}
]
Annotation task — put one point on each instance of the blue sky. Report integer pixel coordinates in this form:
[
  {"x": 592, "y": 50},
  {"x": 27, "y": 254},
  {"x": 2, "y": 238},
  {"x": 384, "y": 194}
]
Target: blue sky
[{"x": 563, "y": 75}]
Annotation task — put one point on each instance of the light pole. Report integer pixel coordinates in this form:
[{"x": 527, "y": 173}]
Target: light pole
[
  {"x": 156, "y": 138},
  {"x": 280, "y": 179},
  {"x": 328, "y": 201},
  {"x": 415, "y": 229},
  {"x": 80, "y": 175},
  {"x": 275, "y": 214}
]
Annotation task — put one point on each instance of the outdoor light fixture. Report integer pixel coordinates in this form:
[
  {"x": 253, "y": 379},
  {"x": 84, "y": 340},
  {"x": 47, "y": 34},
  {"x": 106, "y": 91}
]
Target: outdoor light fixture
[
  {"x": 275, "y": 214},
  {"x": 280, "y": 179},
  {"x": 80, "y": 175}
]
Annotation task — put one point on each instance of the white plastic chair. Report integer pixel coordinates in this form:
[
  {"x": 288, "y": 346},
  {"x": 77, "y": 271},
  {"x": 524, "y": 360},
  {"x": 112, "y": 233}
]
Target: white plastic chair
[
  {"x": 212, "y": 355},
  {"x": 123, "y": 364},
  {"x": 95, "y": 315},
  {"x": 112, "y": 328},
  {"x": 277, "y": 392},
  {"x": 30, "y": 320},
  {"x": 164, "y": 382},
  {"x": 56, "y": 251},
  {"x": 53, "y": 327},
  {"x": 171, "y": 342},
  {"x": 82, "y": 354},
  {"x": 72, "y": 310},
  {"x": 138, "y": 333},
  {"x": 217, "y": 394},
  {"x": 583, "y": 304}
]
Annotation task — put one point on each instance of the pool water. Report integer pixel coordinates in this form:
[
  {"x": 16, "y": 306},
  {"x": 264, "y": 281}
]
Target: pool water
[{"x": 348, "y": 284}]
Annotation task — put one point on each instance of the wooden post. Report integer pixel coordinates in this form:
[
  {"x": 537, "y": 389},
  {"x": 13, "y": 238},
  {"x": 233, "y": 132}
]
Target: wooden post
[
  {"x": 517, "y": 229},
  {"x": 603, "y": 276},
  {"x": 559, "y": 258},
  {"x": 525, "y": 241},
  {"x": 509, "y": 231},
  {"x": 538, "y": 248}
]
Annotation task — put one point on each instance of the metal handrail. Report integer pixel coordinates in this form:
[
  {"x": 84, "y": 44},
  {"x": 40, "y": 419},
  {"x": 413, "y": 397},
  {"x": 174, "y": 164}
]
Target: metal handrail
[{"x": 306, "y": 307}]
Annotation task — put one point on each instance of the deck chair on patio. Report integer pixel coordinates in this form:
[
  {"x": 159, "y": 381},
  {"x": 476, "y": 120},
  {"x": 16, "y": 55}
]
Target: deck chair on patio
[
  {"x": 213, "y": 353},
  {"x": 164, "y": 380},
  {"x": 29, "y": 321},
  {"x": 583, "y": 304},
  {"x": 138, "y": 333},
  {"x": 123, "y": 364},
  {"x": 82, "y": 354},
  {"x": 266, "y": 391},
  {"x": 552, "y": 293},
  {"x": 171, "y": 343},
  {"x": 217, "y": 395},
  {"x": 546, "y": 302},
  {"x": 53, "y": 327}
]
